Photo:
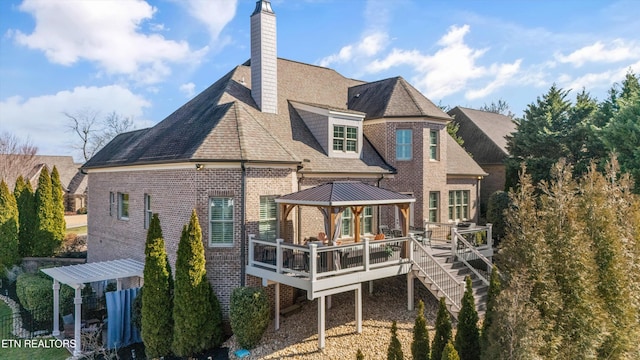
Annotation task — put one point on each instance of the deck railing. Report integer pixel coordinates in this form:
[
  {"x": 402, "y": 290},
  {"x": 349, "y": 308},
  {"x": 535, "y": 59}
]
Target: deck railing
[
  {"x": 469, "y": 254},
  {"x": 286, "y": 258},
  {"x": 439, "y": 277}
]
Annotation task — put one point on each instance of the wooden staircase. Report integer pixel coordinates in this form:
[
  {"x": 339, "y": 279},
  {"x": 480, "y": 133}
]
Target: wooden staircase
[{"x": 444, "y": 276}]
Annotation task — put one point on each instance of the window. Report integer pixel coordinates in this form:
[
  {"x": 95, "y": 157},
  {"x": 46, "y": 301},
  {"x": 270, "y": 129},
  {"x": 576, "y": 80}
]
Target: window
[
  {"x": 434, "y": 199},
  {"x": 147, "y": 211},
  {"x": 403, "y": 144},
  {"x": 459, "y": 205},
  {"x": 268, "y": 218},
  {"x": 221, "y": 221},
  {"x": 112, "y": 203},
  {"x": 366, "y": 222},
  {"x": 123, "y": 206},
  {"x": 433, "y": 145},
  {"x": 345, "y": 138}
]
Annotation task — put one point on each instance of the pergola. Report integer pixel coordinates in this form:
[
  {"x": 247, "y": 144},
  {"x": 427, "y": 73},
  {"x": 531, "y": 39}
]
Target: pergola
[
  {"x": 334, "y": 197},
  {"x": 78, "y": 275}
]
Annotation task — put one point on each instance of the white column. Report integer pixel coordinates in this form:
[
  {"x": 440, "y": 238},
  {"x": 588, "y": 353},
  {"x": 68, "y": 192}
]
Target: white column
[
  {"x": 321, "y": 322},
  {"x": 277, "y": 320},
  {"x": 118, "y": 284},
  {"x": 410, "y": 291},
  {"x": 77, "y": 300},
  {"x": 56, "y": 308},
  {"x": 359, "y": 309},
  {"x": 370, "y": 287},
  {"x": 329, "y": 302}
]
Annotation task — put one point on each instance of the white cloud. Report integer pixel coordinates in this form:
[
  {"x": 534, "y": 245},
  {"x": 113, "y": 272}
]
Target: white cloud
[
  {"x": 42, "y": 118},
  {"x": 603, "y": 80},
  {"x": 214, "y": 14},
  {"x": 616, "y": 51},
  {"x": 368, "y": 46},
  {"x": 450, "y": 68},
  {"x": 107, "y": 33},
  {"x": 188, "y": 89}
]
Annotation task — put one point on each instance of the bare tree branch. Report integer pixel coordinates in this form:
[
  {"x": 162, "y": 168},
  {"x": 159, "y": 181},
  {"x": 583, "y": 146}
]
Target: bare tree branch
[
  {"x": 95, "y": 133},
  {"x": 16, "y": 157}
]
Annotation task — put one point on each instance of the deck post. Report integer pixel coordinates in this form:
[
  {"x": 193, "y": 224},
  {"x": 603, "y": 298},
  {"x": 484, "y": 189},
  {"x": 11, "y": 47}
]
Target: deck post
[
  {"x": 77, "y": 301},
  {"x": 410, "y": 291},
  {"x": 56, "y": 308},
  {"x": 359, "y": 309},
  {"x": 365, "y": 257},
  {"x": 251, "y": 249},
  {"x": 490, "y": 235},
  {"x": 277, "y": 296},
  {"x": 279, "y": 256},
  {"x": 313, "y": 261},
  {"x": 370, "y": 287},
  {"x": 454, "y": 241},
  {"x": 321, "y": 322}
]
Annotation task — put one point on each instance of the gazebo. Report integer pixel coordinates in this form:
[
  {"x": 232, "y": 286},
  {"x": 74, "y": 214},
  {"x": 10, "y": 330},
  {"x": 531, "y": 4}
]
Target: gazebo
[{"x": 78, "y": 275}]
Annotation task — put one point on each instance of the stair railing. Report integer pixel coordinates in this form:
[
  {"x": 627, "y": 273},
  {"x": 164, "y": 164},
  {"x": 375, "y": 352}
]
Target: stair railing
[
  {"x": 466, "y": 252},
  {"x": 445, "y": 282}
]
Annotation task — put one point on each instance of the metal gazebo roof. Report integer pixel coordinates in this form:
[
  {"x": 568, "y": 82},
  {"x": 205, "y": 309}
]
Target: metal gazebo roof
[
  {"x": 345, "y": 193},
  {"x": 76, "y": 275}
]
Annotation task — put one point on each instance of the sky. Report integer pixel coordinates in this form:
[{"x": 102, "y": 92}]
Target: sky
[{"x": 144, "y": 59}]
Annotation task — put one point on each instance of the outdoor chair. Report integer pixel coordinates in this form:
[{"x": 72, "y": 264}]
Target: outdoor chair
[{"x": 385, "y": 230}]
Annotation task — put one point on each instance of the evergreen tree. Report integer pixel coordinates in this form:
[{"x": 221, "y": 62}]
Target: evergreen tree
[
  {"x": 492, "y": 295},
  {"x": 9, "y": 227},
  {"x": 45, "y": 241},
  {"x": 196, "y": 310},
  {"x": 467, "y": 340},
  {"x": 59, "y": 224},
  {"x": 450, "y": 352},
  {"x": 157, "y": 301},
  {"x": 359, "y": 355},
  {"x": 497, "y": 204},
  {"x": 443, "y": 330},
  {"x": 394, "y": 352},
  {"x": 27, "y": 214},
  {"x": 420, "y": 345}
]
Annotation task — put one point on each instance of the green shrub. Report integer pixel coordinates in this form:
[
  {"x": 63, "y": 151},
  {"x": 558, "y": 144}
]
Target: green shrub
[
  {"x": 420, "y": 344},
  {"x": 394, "y": 351},
  {"x": 136, "y": 310},
  {"x": 249, "y": 315},
  {"x": 467, "y": 340},
  {"x": 26, "y": 200},
  {"x": 443, "y": 330},
  {"x": 9, "y": 253},
  {"x": 359, "y": 355},
  {"x": 498, "y": 203},
  {"x": 81, "y": 211},
  {"x": 36, "y": 295},
  {"x": 450, "y": 352}
]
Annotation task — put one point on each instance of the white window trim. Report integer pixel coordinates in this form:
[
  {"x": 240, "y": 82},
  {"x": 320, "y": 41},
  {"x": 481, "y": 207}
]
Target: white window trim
[
  {"x": 232, "y": 221},
  {"x": 121, "y": 216},
  {"x": 148, "y": 214},
  {"x": 276, "y": 219},
  {"x": 112, "y": 203},
  {"x": 434, "y": 134},
  {"x": 437, "y": 208},
  {"x": 409, "y": 145},
  {"x": 456, "y": 194}
]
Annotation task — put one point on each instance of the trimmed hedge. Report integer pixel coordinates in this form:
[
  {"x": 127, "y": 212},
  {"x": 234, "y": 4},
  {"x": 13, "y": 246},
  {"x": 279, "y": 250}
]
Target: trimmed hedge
[
  {"x": 36, "y": 295},
  {"x": 249, "y": 315}
]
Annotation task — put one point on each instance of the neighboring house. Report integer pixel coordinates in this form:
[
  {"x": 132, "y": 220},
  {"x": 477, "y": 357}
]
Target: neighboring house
[
  {"x": 74, "y": 182},
  {"x": 484, "y": 134},
  {"x": 267, "y": 128}
]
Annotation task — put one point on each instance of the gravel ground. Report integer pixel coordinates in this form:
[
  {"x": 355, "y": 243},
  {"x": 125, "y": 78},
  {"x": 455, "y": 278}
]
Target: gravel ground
[{"x": 298, "y": 334}]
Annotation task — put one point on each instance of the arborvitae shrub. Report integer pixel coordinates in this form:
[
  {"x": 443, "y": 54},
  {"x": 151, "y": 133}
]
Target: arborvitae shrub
[
  {"x": 57, "y": 197},
  {"x": 420, "y": 344},
  {"x": 443, "y": 330},
  {"x": 394, "y": 352},
  {"x": 249, "y": 315},
  {"x": 492, "y": 295},
  {"x": 27, "y": 214},
  {"x": 450, "y": 352},
  {"x": 45, "y": 218},
  {"x": 196, "y": 311},
  {"x": 467, "y": 340},
  {"x": 157, "y": 299},
  {"x": 136, "y": 310},
  {"x": 359, "y": 355},
  {"x": 9, "y": 227}
]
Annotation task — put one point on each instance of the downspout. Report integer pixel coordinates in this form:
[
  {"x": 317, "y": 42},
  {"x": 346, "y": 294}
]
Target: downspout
[{"x": 243, "y": 227}]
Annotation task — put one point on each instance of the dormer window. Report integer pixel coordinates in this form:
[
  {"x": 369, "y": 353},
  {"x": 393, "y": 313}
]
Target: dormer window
[{"x": 345, "y": 138}]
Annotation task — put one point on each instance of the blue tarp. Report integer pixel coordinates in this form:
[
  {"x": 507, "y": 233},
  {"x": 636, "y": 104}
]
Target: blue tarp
[{"x": 120, "y": 329}]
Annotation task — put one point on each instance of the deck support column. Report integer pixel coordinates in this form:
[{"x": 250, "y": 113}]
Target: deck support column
[
  {"x": 359, "y": 309},
  {"x": 410, "y": 277},
  {"x": 77, "y": 301},
  {"x": 370, "y": 287},
  {"x": 56, "y": 308},
  {"x": 321, "y": 317},
  {"x": 277, "y": 319}
]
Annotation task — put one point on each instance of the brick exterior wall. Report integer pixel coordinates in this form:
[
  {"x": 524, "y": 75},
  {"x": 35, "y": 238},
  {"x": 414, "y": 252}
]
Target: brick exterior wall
[{"x": 492, "y": 183}]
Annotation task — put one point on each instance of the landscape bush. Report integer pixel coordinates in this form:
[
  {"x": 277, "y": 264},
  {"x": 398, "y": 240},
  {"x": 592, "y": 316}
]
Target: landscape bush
[
  {"x": 36, "y": 295},
  {"x": 249, "y": 315}
]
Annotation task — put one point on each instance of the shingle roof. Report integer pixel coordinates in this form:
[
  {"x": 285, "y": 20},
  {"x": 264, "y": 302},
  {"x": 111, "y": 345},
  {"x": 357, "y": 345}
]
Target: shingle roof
[
  {"x": 72, "y": 180},
  {"x": 484, "y": 133},
  {"x": 342, "y": 193},
  {"x": 459, "y": 162},
  {"x": 393, "y": 97}
]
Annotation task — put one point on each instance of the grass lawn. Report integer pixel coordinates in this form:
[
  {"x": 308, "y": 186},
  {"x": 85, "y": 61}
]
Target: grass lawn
[
  {"x": 14, "y": 353},
  {"x": 80, "y": 230}
]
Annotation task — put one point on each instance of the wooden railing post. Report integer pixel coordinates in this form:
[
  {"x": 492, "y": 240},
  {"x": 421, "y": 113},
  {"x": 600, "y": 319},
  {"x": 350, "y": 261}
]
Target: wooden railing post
[
  {"x": 251, "y": 249},
  {"x": 313, "y": 261},
  {"x": 365, "y": 256},
  {"x": 279, "y": 256}
]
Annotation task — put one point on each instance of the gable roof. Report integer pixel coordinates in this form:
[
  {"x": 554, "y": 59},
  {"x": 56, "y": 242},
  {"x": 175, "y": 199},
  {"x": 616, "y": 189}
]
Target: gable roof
[
  {"x": 223, "y": 123},
  {"x": 484, "y": 133},
  {"x": 459, "y": 162},
  {"x": 72, "y": 180},
  {"x": 393, "y": 97}
]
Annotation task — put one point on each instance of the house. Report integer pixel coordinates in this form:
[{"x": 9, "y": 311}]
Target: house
[
  {"x": 484, "y": 134},
  {"x": 268, "y": 128},
  {"x": 74, "y": 182}
]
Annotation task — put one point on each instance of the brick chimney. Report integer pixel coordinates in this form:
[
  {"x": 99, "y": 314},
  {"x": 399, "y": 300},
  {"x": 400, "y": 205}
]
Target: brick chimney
[{"x": 264, "y": 63}]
